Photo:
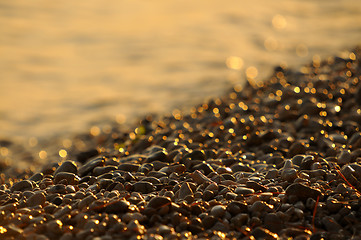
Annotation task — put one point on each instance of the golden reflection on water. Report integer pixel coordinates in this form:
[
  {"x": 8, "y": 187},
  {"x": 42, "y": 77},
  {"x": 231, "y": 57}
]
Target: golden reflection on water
[{"x": 279, "y": 22}]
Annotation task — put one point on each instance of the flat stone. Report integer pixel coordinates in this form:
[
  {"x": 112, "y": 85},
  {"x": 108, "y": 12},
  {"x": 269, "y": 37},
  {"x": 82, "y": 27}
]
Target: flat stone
[
  {"x": 70, "y": 178},
  {"x": 67, "y": 166},
  {"x": 120, "y": 206},
  {"x": 143, "y": 187},
  {"x": 159, "y": 201},
  {"x": 36, "y": 199},
  {"x": 302, "y": 191},
  {"x": 90, "y": 165},
  {"x": 22, "y": 186},
  {"x": 244, "y": 190},
  {"x": 185, "y": 190},
  {"x": 129, "y": 167}
]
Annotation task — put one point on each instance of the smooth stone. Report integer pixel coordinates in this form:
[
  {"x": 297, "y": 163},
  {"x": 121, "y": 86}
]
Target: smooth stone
[
  {"x": 236, "y": 207},
  {"x": 255, "y": 186},
  {"x": 22, "y": 186},
  {"x": 244, "y": 190},
  {"x": 159, "y": 201},
  {"x": 130, "y": 167},
  {"x": 218, "y": 211},
  {"x": 272, "y": 174},
  {"x": 97, "y": 171},
  {"x": 67, "y": 166},
  {"x": 289, "y": 174},
  {"x": 37, "y": 177},
  {"x": 86, "y": 201},
  {"x": 115, "y": 207},
  {"x": 90, "y": 165},
  {"x": 302, "y": 191},
  {"x": 37, "y": 199},
  {"x": 71, "y": 178},
  {"x": 152, "y": 180},
  {"x": 143, "y": 187},
  {"x": 161, "y": 156},
  {"x": 58, "y": 188},
  {"x": 260, "y": 206}
]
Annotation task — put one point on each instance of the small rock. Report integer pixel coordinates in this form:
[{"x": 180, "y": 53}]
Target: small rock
[
  {"x": 272, "y": 174},
  {"x": 218, "y": 211},
  {"x": 143, "y": 187},
  {"x": 185, "y": 190},
  {"x": 289, "y": 174},
  {"x": 97, "y": 171},
  {"x": 330, "y": 224},
  {"x": 244, "y": 190},
  {"x": 129, "y": 167},
  {"x": 67, "y": 166},
  {"x": 302, "y": 191},
  {"x": 117, "y": 207},
  {"x": 70, "y": 178},
  {"x": 36, "y": 199},
  {"x": 22, "y": 186},
  {"x": 90, "y": 165},
  {"x": 159, "y": 201}
]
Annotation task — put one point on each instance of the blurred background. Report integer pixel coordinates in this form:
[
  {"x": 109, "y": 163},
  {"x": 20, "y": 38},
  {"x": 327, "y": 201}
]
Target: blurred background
[{"x": 68, "y": 65}]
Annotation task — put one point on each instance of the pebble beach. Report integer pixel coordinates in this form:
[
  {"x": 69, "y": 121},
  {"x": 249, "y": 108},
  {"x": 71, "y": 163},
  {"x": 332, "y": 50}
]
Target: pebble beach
[{"x": 278, "y": 159}]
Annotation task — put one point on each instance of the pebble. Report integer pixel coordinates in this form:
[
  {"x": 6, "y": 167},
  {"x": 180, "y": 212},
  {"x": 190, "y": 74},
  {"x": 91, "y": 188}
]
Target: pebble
[
  {"x": 70, "y": 178},
  {"x": 244, "y": 190},
  {"x": 302, "y": 191},
  {"x": 68, "y": 167},
  {"x": 159, "y": 201},
  {"x": 36, "y": 199},
  {"x": 185, "y": 190},
  {"x": 22, "y": 186},
  {"x": 218, "y": 211},
  {"x": 143, "y": 187}
]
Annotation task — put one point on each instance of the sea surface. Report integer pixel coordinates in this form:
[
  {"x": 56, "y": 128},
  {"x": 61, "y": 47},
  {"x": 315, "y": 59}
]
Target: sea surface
[{"x": 66, "y": 66}]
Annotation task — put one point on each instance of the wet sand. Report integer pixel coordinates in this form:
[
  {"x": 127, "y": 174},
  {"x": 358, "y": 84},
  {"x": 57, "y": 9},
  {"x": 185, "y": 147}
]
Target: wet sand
[{"x": 274, "y": 160}]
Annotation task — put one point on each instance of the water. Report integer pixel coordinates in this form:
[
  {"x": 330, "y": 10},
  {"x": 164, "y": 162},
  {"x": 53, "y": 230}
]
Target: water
[{"x": 66, "y": 65}]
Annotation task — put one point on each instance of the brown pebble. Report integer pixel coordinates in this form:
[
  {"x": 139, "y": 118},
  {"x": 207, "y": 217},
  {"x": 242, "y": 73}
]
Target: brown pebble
[
  {"x": 117, "y": 207},
  {"x": 36, "y": 199},
  {"x": 159, "y": 201},
  {"x": 67, "y": 166},
  {"x": 185, "y": 190},
  {"x": 70, "y": 178},
  {"x": 218, "y": 211},
  {"x": 22, "y": 186},
  {"x": 143, "y": 187},
  {"x": 244, "y": 190},
  {"x": 302, "y": 191}
]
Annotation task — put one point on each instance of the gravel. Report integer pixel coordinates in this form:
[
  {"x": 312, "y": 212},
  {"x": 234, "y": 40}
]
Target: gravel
[{"x": 279, "y": 159}]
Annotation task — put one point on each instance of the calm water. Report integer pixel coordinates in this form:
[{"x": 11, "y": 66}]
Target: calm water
[{"x": 65, "y": 65}]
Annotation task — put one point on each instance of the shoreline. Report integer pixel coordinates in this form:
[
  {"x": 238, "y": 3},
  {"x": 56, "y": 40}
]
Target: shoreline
[{"x": 277, "y": 159}]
